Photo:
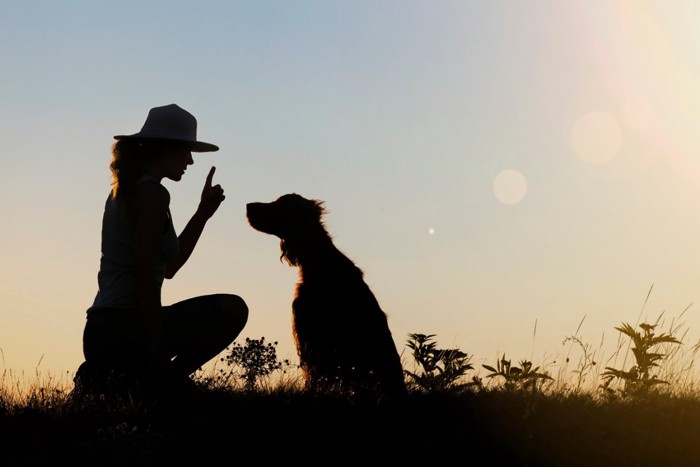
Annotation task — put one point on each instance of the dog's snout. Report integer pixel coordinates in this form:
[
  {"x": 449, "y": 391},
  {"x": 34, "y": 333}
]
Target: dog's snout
[
  {"x": 251, "y": 208},
  {"x": 256, "y": 217}
]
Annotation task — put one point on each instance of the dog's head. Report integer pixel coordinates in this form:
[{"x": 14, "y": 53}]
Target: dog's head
[{"x": 290, "y": 217}]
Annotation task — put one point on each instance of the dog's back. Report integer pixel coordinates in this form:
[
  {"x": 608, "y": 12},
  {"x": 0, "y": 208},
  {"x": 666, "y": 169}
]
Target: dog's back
[{"x": 341, "y": 332}]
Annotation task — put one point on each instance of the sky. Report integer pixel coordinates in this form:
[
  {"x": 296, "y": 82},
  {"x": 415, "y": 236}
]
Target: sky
[{"x": 506, "y": 173}]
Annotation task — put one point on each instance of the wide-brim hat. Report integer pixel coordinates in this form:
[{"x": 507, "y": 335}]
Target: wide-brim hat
[{"x": 171, "y": 122}]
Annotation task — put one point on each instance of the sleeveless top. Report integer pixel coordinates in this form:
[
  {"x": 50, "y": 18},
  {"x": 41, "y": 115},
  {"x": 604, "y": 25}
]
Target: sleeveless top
[{"x": 117, "y": 276}]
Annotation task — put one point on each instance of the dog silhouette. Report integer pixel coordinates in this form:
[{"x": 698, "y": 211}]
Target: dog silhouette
[{"x": 341, "y": 333}]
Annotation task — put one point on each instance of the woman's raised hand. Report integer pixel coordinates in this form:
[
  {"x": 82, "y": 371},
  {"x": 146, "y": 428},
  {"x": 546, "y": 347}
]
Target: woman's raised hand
[{"x": 212, "y": 196}]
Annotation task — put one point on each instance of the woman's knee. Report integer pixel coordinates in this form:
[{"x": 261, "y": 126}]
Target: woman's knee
[{"x": 233, "y": 313}]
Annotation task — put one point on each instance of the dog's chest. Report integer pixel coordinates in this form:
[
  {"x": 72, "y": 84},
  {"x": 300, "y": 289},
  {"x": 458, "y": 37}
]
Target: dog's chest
[{"x": 331, "y": 300}]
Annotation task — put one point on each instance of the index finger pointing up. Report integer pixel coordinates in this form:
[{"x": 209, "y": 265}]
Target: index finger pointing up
[{"x": 210, "y": 177}]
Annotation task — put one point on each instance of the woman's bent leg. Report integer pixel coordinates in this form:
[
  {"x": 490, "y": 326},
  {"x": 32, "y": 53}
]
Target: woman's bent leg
[
  {"x": 115, "y": 346},
  {"x": 198, "y": 329}
]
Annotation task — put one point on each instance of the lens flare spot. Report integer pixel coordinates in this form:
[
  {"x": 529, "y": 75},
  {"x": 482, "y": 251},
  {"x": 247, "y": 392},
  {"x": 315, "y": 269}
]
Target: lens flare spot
[
  {"x": 431, "y": 231},
  {"x": 510, "y": 186},
  {"x": 597, "y": 137}
]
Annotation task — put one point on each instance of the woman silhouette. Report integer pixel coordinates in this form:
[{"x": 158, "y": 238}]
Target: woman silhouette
[{"x": 131, "y": 341}]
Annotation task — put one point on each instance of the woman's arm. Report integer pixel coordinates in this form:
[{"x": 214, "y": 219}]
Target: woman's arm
[{"x": 212, "y": 196}]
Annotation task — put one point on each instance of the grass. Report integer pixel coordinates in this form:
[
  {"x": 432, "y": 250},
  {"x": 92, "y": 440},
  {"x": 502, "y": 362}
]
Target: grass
[
  {"x": 287, "y": 425},
  {"x": 638, "y": 407}
]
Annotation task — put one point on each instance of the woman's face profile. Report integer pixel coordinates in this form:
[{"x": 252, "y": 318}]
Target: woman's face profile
[{"x": 175, "y": 162}]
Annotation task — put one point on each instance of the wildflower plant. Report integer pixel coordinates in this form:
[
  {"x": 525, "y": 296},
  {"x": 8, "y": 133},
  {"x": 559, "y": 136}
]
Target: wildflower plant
[
  {"x": 250, "y": 363},
  {"x": 639, "y": 380},
  {"x": 524, "y": 377},
  {"x": 587, "y": 362},
  {"x": 438, "y": 369}
]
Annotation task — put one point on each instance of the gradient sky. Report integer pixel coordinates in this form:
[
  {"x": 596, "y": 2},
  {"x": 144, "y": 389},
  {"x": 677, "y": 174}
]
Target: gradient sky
[{"x": 493, "y": 167}]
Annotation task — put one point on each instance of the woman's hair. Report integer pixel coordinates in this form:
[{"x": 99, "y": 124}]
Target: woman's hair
[{"x": 131, "y": 156}]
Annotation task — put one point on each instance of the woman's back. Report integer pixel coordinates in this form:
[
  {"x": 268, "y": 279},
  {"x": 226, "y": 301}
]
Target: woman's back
[{"x": 117, "y": 275}]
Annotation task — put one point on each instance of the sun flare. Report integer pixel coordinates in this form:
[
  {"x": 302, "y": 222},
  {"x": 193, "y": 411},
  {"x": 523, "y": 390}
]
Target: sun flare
[{"x": 510, "y": 186}]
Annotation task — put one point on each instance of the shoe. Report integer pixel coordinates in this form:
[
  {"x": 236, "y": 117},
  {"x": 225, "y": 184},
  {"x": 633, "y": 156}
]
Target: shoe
[
  {"x": 93, "y": 381},
  {"x": 86, "y": 381}
]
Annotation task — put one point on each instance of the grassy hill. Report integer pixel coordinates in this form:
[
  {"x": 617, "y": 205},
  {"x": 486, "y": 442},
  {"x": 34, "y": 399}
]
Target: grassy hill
[
  {"x": 290, "y": 427},
  {"x": 249, "y": 410}
]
